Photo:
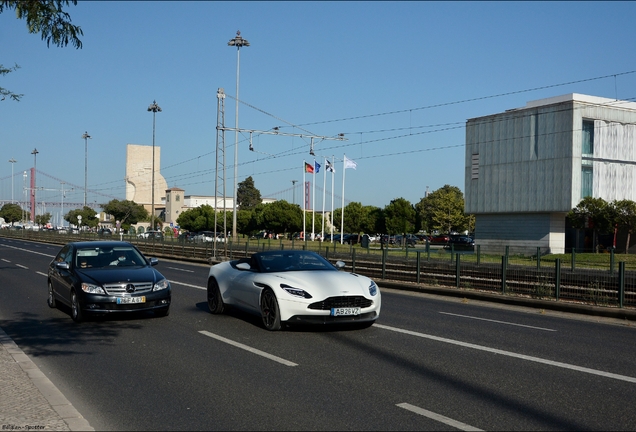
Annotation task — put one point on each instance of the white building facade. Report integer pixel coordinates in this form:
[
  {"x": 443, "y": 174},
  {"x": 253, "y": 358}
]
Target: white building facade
[{"x": 526, "y": 168}]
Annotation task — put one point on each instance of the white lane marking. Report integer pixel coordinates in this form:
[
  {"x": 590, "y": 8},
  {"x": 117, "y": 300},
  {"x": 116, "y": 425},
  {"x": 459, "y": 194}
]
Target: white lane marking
[
  {"x": 438, "y": 417},
  {"x": 496, "y": 321},
  {"x": 181, "y": 269},
  {"x": 6, "y": 260},
  {"x": 27, "y": 250},
  {"x": 43, "y": 274},
  {"x": 511, "y": 354},
  {"x": 248, "y": 348},
  {"x": 185, "y": 284},
  {"x": 21, "y": 266}
]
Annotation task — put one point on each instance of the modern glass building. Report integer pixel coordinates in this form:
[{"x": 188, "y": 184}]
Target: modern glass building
[{"x": 526, "y": 168}]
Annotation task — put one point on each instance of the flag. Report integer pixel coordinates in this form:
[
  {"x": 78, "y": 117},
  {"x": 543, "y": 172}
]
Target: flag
[
  {"x": 317, "y": 166},
  {"x": 309, "y": 168},
  {"x": 348, "y": 163},
  {"x": 329, "y": 167}
]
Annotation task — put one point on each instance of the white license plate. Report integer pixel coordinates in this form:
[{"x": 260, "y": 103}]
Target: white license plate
[
  {"x": 129, "y": 300},
  {"x": 345, "y": 311}
]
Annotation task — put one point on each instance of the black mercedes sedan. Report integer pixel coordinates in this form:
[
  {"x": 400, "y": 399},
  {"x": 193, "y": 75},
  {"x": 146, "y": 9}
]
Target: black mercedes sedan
[{"x": 103, "y": 277}]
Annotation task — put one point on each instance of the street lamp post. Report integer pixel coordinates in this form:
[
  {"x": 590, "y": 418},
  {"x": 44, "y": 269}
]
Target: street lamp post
[
  {"x": 238, "y": 42},
  {"x": 294, "y": 191},
  {"x": 86, "y": 136},
  {"x": 35, "y": 160},
  {"x": 13, "y": 161},
  {"x": 155, "y": 109}
]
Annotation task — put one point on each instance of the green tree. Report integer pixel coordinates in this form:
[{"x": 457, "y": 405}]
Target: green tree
[
  {"x": 4, "y": 92},
  {"x": 126, "y": 212},
  {"x": 43, "y": 219},
  {"x": 281, "y": 216},
  {"x": 443, "y": 210},
  {"x": 400, "y": 216},
  {"x": 48, "y": 18},
  {"x": 625, "y": 217},
  {"x": 199, "y": 219},
  {"x": 89, "y": 217},
  {"x": 592, "y": 213},
  {"x": 11, "y": 213},
  {"x": 247, "y": 196}
]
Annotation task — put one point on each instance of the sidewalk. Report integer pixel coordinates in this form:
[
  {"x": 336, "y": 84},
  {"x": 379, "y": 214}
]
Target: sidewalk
[{"x": 28, "y": 399}]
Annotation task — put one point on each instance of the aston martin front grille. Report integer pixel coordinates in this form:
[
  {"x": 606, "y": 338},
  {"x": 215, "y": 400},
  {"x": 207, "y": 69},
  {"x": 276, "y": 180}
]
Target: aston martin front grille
[
  {"x": 120, "y": 288},
  {"x": 342, "y": 301}
]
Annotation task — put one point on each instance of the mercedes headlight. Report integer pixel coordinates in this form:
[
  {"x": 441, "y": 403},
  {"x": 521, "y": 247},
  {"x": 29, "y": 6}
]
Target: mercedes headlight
[
  {"x": 92, "y": 289},
  {"x": 162, "y": 284}
]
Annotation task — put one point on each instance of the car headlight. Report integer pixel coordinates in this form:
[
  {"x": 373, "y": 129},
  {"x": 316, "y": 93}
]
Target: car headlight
[
  {"x": 373, "y": 288},
  {"x": 162, "y": 284},
  {"x": 296, "y": 292},
  {"x": 92, "y": 289}
]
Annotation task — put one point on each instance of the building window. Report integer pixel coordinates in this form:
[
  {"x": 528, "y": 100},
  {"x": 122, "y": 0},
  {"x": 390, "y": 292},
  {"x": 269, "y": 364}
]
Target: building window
[
  {"x": 168, "y": 198},
  {"x": 178, "y": 198},
  {"x": 474, "y": 173},
  {"x": 587, "y": 147},
  {"x": 586, "y": 181}
]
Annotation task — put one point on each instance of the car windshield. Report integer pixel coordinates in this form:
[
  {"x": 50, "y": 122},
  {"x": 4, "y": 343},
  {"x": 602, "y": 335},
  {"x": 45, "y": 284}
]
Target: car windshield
[
  {"x": 108, "y": 257},
  {"x": 292, "y": 261}
]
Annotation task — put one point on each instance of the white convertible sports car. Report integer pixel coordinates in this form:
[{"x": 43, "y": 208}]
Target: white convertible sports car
[{"x": 294, "y": 286}]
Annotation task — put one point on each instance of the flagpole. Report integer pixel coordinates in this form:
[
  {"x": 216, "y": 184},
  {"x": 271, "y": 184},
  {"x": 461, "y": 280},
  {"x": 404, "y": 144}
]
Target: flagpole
[
  {"x": 313, "y": 202},
  {"x": 304, "y": 202},
  {"x": 344, "y": 169},
  {"x": 324, "y": 192},
  {"x": 333, "y": 176}
]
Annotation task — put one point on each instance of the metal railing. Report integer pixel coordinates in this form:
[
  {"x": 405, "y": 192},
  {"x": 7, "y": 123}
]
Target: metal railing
[{"x": 608, "y": 283}]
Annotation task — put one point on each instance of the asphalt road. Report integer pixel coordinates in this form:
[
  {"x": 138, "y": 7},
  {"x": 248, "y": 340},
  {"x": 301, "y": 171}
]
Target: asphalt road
[{"x": 427, "y": 364}]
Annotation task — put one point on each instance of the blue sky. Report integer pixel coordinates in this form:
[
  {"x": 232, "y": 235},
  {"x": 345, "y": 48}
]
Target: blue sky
[{"x": 399, "y": 79}]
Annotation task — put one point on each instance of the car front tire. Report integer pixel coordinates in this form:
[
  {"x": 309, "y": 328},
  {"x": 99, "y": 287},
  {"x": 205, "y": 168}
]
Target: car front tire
[
  {"x": 215, "y": 301},
  {"x": 270, "y": 311},
  {"x": 76, "y": 309},
  {"x": 51, "y": 300}
]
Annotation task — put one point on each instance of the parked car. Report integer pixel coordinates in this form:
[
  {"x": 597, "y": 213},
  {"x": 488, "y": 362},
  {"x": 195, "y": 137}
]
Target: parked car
[
  {"x": 440, "y": 239},
  {"x": 102, "y": 277},
  {"x": 151, "y": 234},
  {"x": 105, "y": 232},
  {"x": 209, "y": 236},
  {"x": 409, "y": 240},
  {"x": 293, "y": 286},
  {"x": 460, "y": 242},
  {"x": 186, "y": 236},
  {"x": 350, "y": 239}
]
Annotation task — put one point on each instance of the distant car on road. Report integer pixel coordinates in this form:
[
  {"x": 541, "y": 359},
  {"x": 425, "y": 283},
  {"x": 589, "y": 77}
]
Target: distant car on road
[{"x": 102, "y": 277}]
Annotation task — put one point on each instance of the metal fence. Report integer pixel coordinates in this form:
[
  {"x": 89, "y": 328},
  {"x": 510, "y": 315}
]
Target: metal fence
[{"x": 611, "y": 285}]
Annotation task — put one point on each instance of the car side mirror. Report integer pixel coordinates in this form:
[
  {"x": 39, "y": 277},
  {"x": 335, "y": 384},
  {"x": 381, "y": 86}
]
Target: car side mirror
[
  {"x": 154, "y": 261},
  {"x": 243, "y": 266},
  {"x": 340, "y": 265},
  {"x": 62, "y": 265}
]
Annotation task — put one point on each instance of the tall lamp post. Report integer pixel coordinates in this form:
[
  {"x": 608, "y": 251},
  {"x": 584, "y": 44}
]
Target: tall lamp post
[
  {"x": 35, "y": 160},
  {"x": 13, "y": 161},
  {"x": 86, "y": 136},
  {"x": 294, "y": 190},
  {"x": 238, "y": 42},
  {"x": 155, "y": 109}
]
